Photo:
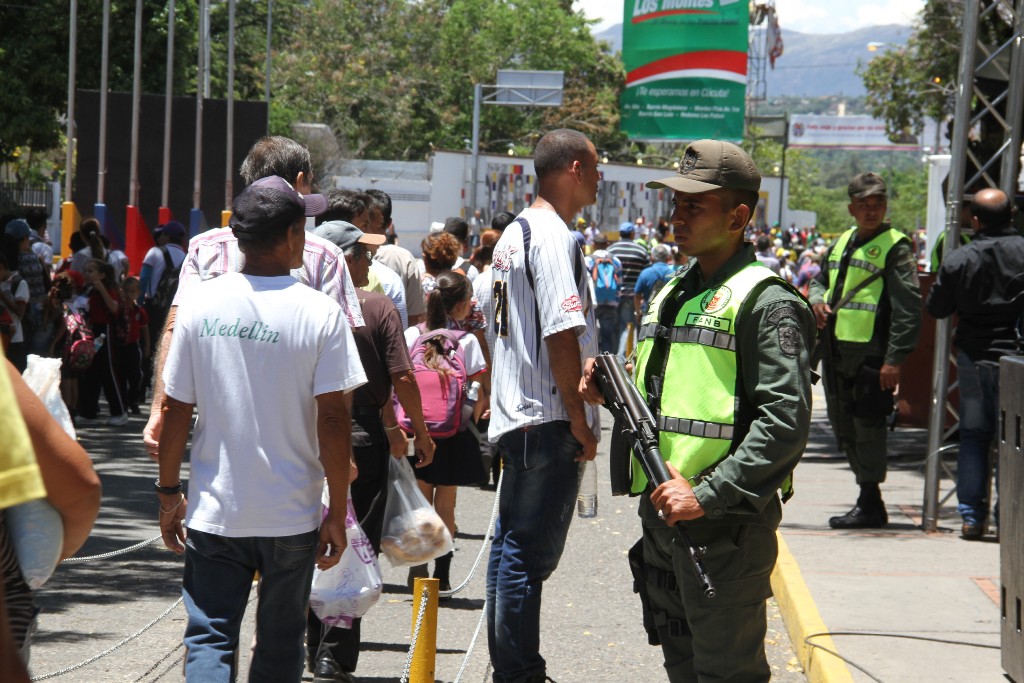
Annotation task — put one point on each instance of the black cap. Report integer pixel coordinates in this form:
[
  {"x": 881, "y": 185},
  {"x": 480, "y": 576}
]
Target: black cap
[
  {"x": 271, "y": 205},
  {"x": 867, "y": 184}
]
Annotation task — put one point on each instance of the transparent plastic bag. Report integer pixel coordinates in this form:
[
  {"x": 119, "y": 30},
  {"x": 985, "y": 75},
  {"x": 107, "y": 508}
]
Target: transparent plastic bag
[
  {"x": 35, "y": 527},
  {"x": 350, "y": 588},
  {"x": 413, "y": 531}
]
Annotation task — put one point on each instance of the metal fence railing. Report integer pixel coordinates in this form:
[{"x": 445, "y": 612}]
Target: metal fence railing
[{"x": 14, "y": 195}]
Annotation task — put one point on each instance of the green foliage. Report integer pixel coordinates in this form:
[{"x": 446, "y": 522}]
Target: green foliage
[{"x": 395, "y": 79}]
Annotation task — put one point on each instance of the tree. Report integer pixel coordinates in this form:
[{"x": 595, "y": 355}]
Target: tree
[
  {"x": 34, "y": 61},
  {"x": 394, "y": 79}
]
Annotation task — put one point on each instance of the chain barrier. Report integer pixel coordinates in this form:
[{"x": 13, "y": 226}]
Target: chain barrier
[
  {"x": 161, "y": 661},
  {"x": 415, "y": 634},
  {"x": 115, "y": 553},
  {"x": 488, "y": 537},
  {"x": 69, "y": 669}
]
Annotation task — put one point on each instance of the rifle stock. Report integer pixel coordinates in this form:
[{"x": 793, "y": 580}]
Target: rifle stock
[{"x": 623, "y": 399}]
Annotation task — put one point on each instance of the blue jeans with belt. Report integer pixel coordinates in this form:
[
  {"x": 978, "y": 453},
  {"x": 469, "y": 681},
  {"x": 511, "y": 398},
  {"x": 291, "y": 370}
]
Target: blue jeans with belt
[
  {"x": 538, "y": 493},
  {"x": 979, "y": 415},
  {"x": 218, "y": 578}
]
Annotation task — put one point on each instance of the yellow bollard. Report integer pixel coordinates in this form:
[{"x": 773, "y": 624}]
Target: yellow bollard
[
  {"x": 225, "y": 218},
  {"x": 422, "y": 668},
  {"x": 69, "y": 222}
]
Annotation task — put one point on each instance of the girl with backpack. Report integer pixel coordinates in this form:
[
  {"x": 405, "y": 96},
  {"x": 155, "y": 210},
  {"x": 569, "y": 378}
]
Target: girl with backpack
[
  {"x": 105, "y": 311},
  {"x": 446, "y": 361}
]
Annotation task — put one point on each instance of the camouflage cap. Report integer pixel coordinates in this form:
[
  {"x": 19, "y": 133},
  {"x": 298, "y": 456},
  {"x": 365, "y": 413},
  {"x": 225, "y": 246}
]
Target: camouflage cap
[
  {"x": 866, "y": 185},
  {"x": 711, "y": 165}
]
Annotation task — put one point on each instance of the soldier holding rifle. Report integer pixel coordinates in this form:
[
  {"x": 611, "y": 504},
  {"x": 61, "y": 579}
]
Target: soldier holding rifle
[{"x": 723, "y": 361}]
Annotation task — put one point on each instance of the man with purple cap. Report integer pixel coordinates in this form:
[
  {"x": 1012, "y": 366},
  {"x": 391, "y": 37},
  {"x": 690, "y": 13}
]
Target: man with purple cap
[
  {"x": 216, "y": 252},
  {"x": 269, "y": 364},
  {"x": 723, "y": 359}
]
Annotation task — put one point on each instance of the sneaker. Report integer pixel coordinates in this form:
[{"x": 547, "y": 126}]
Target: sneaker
[
  {"x": 87, "y": 421},
  {"x": 118, "y": 420}
]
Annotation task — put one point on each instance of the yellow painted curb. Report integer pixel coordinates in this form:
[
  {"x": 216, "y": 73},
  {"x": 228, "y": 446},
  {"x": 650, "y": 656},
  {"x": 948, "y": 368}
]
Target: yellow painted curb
[{"x": 802, "y": 619}]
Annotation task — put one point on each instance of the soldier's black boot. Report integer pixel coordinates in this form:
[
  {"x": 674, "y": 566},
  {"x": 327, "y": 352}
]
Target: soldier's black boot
[{"x": 868, "y": 513}]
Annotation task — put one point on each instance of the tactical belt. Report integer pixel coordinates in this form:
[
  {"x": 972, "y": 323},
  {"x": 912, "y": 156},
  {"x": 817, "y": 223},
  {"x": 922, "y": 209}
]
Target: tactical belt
[
  {"x": 690, "y": 335},
  {"x": 707, "y": 430}
]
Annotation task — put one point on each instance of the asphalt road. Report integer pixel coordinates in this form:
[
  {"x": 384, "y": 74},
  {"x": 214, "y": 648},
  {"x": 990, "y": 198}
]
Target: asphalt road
[{"x": 591, "y": 628}]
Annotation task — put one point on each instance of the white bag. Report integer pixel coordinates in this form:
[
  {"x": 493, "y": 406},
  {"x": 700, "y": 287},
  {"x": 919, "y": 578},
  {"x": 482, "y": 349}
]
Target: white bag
[
  {"x": 350, "y": 588},
  {"x": 413, "y": 531},
  {"x": 42, "y": 375},
  {"x": 35, "y": 528}
]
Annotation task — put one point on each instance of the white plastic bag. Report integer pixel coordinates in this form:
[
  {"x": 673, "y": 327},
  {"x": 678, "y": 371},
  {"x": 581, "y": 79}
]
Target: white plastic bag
[
  {"x": 350, "y": 588},
  {"x": 413, "y": 531},
  {"x": 35, "y": 528},
  {"x": 42, "y": 375}
]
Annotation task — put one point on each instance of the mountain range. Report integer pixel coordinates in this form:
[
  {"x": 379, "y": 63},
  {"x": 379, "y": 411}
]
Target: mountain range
[{"x": 814, "y": 64}]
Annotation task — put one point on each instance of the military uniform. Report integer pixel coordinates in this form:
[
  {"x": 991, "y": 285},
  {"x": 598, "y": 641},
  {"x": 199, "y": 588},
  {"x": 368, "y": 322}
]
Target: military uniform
[
  {"x": 878, "y": 325},
  {"x": 725, "y": 364}
]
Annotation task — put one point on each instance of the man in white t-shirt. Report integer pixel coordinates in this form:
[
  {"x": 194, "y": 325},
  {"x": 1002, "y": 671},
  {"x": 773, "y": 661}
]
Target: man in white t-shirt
[
  {"x": 268, "y": 363},
  {"x": 216, "y": 252},
  {"x": 170, "y": 237},
  {"x": 542, "y": 311}
]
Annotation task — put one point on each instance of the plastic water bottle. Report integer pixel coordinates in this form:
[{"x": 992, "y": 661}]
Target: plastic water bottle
[
  {"x": 586, "y": 501},
  {"x": 98, "y": 341}
]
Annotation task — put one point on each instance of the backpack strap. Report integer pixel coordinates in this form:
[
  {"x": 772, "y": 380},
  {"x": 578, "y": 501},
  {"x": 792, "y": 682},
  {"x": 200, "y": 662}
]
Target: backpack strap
[{"x": 578, "y": 268}]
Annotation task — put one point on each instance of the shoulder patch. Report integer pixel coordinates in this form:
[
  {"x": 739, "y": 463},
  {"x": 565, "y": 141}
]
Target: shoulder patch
[{"x": 786, "y": 322}]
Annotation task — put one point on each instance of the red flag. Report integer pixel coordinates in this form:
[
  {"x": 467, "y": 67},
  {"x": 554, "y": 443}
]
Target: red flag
[{"x": 774, "y": 37}]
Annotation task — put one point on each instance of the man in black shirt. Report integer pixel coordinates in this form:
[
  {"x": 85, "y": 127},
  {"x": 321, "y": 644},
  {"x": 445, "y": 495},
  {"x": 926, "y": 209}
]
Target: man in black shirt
[{"x": 983, "y": 283}]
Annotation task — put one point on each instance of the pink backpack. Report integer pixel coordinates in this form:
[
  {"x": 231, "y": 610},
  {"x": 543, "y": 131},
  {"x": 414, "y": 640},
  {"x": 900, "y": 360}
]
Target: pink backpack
[{"x": 442, "y": 394}]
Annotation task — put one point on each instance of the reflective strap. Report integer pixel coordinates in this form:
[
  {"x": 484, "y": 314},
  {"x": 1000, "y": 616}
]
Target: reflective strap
[
  {"x": 855, "y": 306},
  {"x": 866, "y": 265},
  {"x": 704, "y": 337},
  {"x": 653, "y": 330},
  {"x": 707, "y": 430}
]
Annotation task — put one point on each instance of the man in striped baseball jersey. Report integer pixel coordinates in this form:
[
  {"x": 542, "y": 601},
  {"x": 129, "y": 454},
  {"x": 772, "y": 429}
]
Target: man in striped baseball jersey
[{"x": 542, "y": 311}]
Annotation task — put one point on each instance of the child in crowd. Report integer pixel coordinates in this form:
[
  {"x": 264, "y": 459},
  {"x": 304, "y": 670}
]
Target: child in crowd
[
  {"x": 134, "y": 351},
  {"x": 457, "y": 459},
  {"x": 14, "y": 296},
  {"x": 104, "y": 308}
]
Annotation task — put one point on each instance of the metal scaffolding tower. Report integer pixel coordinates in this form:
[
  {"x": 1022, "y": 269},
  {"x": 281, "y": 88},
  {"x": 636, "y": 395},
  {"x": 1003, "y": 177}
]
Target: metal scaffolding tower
[{"x": 990, "y": 95}]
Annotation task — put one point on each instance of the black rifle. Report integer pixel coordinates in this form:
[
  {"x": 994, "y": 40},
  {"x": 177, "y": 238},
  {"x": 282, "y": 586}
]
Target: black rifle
[{"x": 624, "y": 401}]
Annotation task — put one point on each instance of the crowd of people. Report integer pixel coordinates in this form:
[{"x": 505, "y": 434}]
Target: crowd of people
[{"x": 303, "y": 353}]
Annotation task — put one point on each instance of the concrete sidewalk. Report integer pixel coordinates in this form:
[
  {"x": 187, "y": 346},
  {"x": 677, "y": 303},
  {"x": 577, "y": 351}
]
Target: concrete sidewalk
[{"x": 900, "y": 605}]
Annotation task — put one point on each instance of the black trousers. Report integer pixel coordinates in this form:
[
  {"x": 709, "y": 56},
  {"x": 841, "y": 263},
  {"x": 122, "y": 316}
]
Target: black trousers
[
  {"x": 369, "y": 496},
  {"x": 129, "y": 366},
  {"x": 101, "y": 375}
]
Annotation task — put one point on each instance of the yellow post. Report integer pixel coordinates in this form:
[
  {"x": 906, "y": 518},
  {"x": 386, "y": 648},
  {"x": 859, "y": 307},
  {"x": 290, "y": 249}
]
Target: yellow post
[
  {"x": 225, "y": 218},
  {"x": 422, "y": 667},
  {"x": 70, "y": 219}
]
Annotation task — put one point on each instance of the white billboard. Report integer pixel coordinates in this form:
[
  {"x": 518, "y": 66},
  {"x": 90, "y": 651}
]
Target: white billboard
[{"x": 852, "y": 132}]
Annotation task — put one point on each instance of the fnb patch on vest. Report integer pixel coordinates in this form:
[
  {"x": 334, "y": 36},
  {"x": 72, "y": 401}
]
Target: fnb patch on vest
[
  {"x": 710, "y": 321},
  {"x": 716, "y": 299}
]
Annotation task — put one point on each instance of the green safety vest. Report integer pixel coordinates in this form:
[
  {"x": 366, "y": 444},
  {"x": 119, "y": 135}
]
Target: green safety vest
[
  {"x": 940, "y": 242},
  {"x": 855, "y": 321},
  {"x": 697, "y": 414}
]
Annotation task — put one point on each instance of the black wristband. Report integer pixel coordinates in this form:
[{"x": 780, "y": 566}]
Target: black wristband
[{"x": 166, "y": 490}]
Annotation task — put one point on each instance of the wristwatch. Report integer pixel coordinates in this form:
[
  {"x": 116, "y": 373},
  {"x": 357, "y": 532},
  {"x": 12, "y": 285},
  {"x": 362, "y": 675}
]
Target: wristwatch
[{"x": 166, "y": 490}]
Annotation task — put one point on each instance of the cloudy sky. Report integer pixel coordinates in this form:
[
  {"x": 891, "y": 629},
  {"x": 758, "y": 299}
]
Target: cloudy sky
[{"x": 805, "y": 16}]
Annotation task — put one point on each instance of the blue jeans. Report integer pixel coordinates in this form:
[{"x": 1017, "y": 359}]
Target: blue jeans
[
  {"x": 218, "y": 577},
  {"x": 537, "y": 500},
  {"x": 627, "y": 316},
  {"x": 608, "y": 323},
  {"x": 979, "y": 415}
]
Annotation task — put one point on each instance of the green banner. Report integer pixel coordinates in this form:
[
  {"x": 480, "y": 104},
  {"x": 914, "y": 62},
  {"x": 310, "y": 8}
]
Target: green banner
[{"x": 686, "y": 69}]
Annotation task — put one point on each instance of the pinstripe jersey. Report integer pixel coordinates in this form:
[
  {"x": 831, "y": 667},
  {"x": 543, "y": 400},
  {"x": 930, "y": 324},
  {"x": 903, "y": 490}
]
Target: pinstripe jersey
[
  {"x": 523, "y": 390},
  {"x": 216, "y": 252}
]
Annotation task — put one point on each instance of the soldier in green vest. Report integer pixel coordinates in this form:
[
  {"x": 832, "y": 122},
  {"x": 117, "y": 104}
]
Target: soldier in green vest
[
  {"x": 724, "y": 361},
  {"x": 867, "y": 302}
]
